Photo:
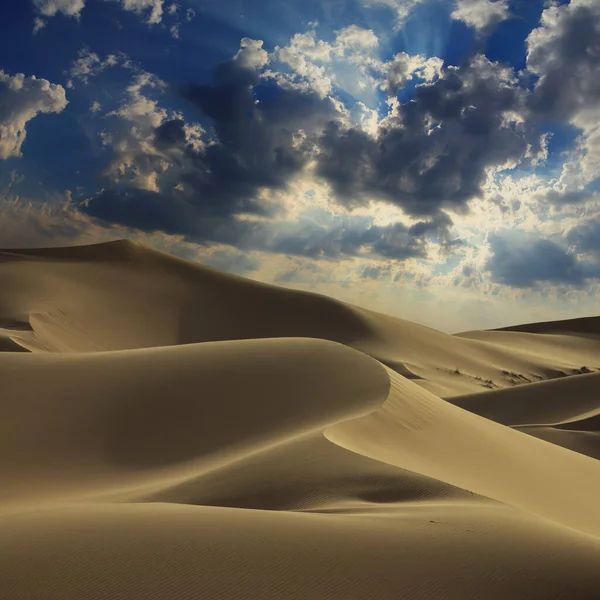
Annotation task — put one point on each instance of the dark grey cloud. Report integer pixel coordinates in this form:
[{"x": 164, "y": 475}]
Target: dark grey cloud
[
  {"x": 429, "y": 154},
  {"x": 395, "y": 241},
  {"x": 263, "y": 135},
  {"x": 359, "y": 236},
  {"x": 153, "y": 211},
  {"x": 170, "y": 134},
  {"x": 585, "y": 237},
  {"x": 565, "y": 54},
  {"x": 141, "y": 209},
  {"x": 570, "y": 197},
  {"x": 524, "y": 262},
  {"x": 434, "y": 151}
]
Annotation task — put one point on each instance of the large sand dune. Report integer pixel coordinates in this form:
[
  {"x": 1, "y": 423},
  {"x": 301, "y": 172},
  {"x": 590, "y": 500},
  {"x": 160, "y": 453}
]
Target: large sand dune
[{"x": 170, "y": 431}]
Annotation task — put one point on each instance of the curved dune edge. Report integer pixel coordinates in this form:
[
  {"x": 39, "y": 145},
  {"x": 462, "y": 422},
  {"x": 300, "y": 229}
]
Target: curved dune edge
[
  {"x": 542, "y": 403},
  {"x": 417, "y": 431},
  {"x": 176, "y": 432},
  {"x": 101, "y": 298},
  {"x": 132, "y": 416},
  {"x": 562, "y": 411}
]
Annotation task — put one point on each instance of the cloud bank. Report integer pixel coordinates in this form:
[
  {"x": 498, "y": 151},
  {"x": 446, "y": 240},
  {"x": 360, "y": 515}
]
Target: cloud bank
[{"x": 21, "y": 100}]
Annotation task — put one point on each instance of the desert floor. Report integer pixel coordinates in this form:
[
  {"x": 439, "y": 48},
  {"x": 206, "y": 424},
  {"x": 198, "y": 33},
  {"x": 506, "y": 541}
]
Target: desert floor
[{"x": 171, "y": 432}]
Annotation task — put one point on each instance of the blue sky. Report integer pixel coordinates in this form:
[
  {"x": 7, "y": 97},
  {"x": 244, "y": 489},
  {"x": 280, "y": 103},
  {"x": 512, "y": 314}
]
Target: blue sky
[{"x": 405, "y": 155}]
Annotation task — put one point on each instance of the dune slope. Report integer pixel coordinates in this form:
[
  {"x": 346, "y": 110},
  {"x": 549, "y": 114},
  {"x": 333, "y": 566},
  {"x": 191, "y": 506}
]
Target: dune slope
[
  {"x": 121, "y": 295},
  {"x": 169, "y": 431}
]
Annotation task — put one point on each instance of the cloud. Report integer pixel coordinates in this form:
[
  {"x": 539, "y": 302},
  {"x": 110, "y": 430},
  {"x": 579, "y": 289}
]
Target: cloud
[
  {"x": 575, "y": 196},
  {"x": 89, "y": 64},
  {"x": 481, "y": 14},
  {"x": 152, "y": 8},
  {"x": 130, "y": 127},
  {"x": 135, "y": 161},
  {"x": 351, "y": 62},
  {"x": 170, "y": 134},
  {"x": 313, "y": 234},
  {"x": 24, "y": 224},
  {"x": 250, "y": 57},
  {"x": 232, "y": 261},
  {"x": 404, "y": 68},
  {"x": 376, "y": 272},
  {"x": 351, "y": 236},
  {"x": 174, "y": 11},
  {"x": 250, "y": 112},
  {"x": 331, "y": 239},
  {"x": 585, "y": 238},
  {"x": 436, "y": 151},
  {"x": 348, "y": 62},
  {"x": 302, "y": 272},
  {"x": 171, "y": 176},
  {"x": 50, "y": 8},
  {"x": 432, "y": 153},
  {"x": 354, "y": 38},
  {"x": 523, "y": 261},
  {"x": 564, "y": 54},
  {"x": 402, "y": 8},
  {"x": 139, "y": 109},
  {"x": 28, "y": 223},
  {"x": 22, "y": 99},
  {"x": 141, "y": 209}
]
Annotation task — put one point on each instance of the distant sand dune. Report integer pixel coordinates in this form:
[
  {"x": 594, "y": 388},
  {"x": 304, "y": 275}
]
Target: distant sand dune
[
  {"x": 583, "y": 326},
  {"x": 170, "y": 431}
]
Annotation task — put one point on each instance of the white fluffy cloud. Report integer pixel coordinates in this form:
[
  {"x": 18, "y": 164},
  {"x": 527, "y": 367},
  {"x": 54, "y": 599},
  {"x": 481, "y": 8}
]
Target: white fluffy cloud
[
  {"x": 153, "y": 9},
  {"x": 475, "y": 13},
  {"x": 405, "y": 67},
  {"x": 50, "y": 8},
  {"x": 22, "y": 99},
  {"x": 251, "y": 54},
  {"x": 135, "y": 160},
  {"x": 564, "y": 53},
  {"x": 351, "y": 62},
  {"x": 89, "y": 64},
  {"x": 480, "y": 14}
]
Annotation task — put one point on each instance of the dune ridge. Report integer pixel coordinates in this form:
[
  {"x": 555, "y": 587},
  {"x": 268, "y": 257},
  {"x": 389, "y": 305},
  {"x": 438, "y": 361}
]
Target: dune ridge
[{"x": 170, "y": 431}]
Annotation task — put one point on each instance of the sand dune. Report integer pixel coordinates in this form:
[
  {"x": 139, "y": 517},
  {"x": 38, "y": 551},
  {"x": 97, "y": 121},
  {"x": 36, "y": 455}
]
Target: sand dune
[
  {"x": 582, "y": 326},
  {"x": 562, "y": 411},
  {"x": 416, "y": 430},
  {"x": 121, "y": 295},
  {"x": 170, "y": 431}
]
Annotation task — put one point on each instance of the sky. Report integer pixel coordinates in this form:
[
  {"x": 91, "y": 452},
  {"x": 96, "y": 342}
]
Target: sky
[{"x": 436, "y": 160}]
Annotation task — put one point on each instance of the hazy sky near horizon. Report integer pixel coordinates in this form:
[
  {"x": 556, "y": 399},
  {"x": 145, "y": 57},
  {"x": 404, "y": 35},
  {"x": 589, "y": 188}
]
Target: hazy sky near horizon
[{"x": 437, "y": 160}]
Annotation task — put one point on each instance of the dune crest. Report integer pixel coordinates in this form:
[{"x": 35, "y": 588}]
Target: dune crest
[{"x": 170, "y": 431}]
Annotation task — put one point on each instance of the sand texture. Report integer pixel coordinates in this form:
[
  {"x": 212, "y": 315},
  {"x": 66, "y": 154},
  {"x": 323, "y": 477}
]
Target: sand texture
[{"x": 168, "y": 431}]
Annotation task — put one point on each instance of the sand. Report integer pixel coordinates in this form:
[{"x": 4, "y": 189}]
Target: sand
[{"x": 169, "y": 431}]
